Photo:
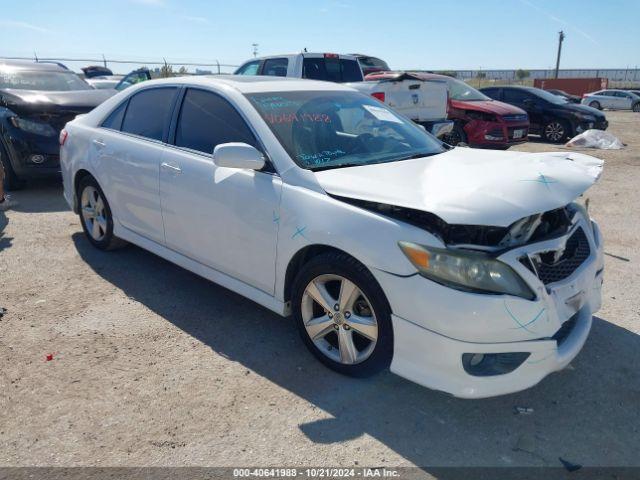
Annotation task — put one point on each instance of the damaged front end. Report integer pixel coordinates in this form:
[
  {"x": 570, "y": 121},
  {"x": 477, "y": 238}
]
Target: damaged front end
[{"x": 534, "y": 228}]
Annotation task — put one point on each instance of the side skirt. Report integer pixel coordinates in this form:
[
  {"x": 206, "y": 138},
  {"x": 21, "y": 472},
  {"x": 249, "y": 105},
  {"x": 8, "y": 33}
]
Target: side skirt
[{"x": 241, "y": 288}]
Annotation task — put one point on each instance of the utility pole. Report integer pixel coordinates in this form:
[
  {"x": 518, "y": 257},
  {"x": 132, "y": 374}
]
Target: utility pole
[
  {"x": 255, "y": 49},
  {"x": 560, "y": 40}
]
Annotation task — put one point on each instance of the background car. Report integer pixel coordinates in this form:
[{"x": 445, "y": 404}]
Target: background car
[
  {"x": 104, "y": 83},
  {"x": 565, "y": 95},
  {"x": 481, "y": 121},
  {"x": 550, "y": 116},
  {"x": 36, "y": 100},
  {"x": 370, "y": 64},
  {"x": 331, "y": 67},
  {"x": 612, "y": 99}
]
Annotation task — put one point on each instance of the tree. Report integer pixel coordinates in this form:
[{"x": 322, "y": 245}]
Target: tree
[
  {"x": 522, "y": 74},
  {"x": 182, "y": 71},
  {"x": 166, "y": 71}
]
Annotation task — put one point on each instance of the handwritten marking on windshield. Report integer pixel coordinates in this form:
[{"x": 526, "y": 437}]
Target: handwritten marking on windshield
[
  {"x": 319, "y": 158},
  {"x": 278, "y": 118}
]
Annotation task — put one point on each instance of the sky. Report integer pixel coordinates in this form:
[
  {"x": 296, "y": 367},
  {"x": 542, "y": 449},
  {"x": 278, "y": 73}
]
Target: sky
[{"x": 418, "y": 34}]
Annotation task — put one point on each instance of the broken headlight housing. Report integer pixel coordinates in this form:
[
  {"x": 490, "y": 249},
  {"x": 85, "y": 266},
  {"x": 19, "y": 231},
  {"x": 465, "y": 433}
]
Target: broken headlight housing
[{"x": 465, "y": 270}]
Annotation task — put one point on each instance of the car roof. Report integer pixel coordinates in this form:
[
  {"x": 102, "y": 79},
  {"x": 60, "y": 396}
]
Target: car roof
[
  {"x": 252, "y": 83},
  {"x": 24, "y": 65}
]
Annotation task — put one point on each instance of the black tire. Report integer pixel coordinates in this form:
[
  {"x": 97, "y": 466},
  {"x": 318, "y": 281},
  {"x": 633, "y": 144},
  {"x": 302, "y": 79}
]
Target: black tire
[
  {"x": 636, "y": 107},
  {"x": 336, "y": 263},
  {"x": 11, "y": 180},
  {"x": 108, "y": 241},
  {"x": 595, "y": 105},
  {"x": 555, "y": 131},
  {"x": 456, "y": 136}
]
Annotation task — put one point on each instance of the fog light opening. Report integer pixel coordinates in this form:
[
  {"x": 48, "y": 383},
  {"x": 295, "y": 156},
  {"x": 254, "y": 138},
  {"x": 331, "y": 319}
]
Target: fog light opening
[{"x": 491, "y": 364}]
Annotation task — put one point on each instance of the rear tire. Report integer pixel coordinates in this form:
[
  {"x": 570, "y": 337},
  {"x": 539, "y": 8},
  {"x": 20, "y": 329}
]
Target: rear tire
[
  {"x": 95, "y": 215},
  {"x": 555, "y": 131},
  {"x": 11, "y": 180},
  {"x": 356, "y": 339},
  {"x": 595, "y": 105}
]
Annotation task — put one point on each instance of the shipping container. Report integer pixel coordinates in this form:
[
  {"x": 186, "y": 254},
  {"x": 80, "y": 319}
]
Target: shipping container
[{"x": 574, "y": 86}]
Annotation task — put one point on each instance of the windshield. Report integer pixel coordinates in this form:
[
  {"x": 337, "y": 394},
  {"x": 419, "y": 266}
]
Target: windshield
[
  {"x": 42, "y": 80},
  {"x": 325, "y": 129},
  {"x": 459, "y": 90},
  {"x": 550, "y": 97}
]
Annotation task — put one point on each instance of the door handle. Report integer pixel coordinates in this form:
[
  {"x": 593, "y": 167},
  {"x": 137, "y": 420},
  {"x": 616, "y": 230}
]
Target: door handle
[
  {"x": 171, "y": 168},
  {"x": 99, "y": 143}
]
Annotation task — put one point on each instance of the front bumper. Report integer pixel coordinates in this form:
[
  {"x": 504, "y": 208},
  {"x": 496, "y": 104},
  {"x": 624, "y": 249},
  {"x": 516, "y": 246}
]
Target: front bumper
[
  {"x": 597, "y": 125},
  {"x": 496, "y": 134},
  {"x": 435, "y": 325},
  {"x": 31, "y": 155}
]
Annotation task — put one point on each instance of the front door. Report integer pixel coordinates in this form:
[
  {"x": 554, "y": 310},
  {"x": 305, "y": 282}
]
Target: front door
[{"x": 224, "y": 218}]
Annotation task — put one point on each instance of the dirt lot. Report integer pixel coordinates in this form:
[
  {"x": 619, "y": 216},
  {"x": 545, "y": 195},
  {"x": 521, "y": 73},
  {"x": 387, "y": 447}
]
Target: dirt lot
[{"x": 153, "y": 365}]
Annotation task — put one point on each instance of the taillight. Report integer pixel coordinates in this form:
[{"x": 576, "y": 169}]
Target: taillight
[
  {"x": 331, "y": 55},
  {"x": 378, "y": 96},
  {"x": 63, "y": 137}
]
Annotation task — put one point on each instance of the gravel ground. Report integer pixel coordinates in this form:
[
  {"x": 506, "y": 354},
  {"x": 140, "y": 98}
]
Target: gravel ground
[{"x": 153, "y": 365}]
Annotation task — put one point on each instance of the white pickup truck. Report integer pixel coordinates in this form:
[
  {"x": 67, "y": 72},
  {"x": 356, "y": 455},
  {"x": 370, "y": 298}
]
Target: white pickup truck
[{"x": 423, "y": 101}]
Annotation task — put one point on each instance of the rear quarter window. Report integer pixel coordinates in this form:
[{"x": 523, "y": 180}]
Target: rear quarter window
[{"x": 114, "y": 120}]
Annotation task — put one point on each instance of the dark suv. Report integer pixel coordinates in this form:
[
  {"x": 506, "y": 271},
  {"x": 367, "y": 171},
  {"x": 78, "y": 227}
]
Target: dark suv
[
  {"x": 36, "y": 101},
  {"x": 550, "y": 116}
]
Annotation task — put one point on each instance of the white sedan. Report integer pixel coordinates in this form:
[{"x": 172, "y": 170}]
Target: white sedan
[
  {"x": 472, "y": 272},
  {"x": 613, "y": 99}
]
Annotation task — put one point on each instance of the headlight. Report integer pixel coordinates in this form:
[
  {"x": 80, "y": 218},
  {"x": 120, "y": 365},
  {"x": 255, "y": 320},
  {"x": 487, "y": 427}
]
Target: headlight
[
  {"x": 469, "y": 271},
  {"x": 36, "y": 128},
  {"x": 585, "y": 117}
]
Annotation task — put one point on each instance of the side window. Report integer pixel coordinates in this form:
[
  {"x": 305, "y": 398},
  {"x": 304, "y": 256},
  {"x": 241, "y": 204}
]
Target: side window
[
  {"x": 515, "y": 96},
  {"x": 276, "y": 67},
  {"x": 492, "y": 92},
  {"x": 149, "y": 112},
  {"x": 250, "y": 68},
  {"x": 207, "y": 120},
  {"x": 114, "y": 120}
]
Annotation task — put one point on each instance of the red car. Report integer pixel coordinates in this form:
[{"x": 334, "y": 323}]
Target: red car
[{"x": 479, "y": 121}]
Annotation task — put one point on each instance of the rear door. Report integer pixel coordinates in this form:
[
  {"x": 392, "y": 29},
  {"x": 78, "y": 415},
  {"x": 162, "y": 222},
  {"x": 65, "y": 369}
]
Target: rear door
[
  {"x": 130, "y": 149},
  {"x": 607, "y": 99},
  {"x": 531, "y": 104}
]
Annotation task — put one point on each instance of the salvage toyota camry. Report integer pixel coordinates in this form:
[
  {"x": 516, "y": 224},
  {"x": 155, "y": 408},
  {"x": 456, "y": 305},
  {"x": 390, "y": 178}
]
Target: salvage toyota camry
[{"x": 471, "y": 272}]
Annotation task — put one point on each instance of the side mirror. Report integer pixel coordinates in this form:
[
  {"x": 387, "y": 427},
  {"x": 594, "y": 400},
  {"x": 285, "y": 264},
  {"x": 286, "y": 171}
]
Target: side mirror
[{"x": 238, "y": 155}]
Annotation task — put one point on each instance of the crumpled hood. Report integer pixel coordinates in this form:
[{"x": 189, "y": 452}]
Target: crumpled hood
[
  {"x": 28, "y": 101},
  {"x": 471, "y": 187}
]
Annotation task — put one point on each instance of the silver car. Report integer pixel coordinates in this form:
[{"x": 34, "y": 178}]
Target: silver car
[{"x": 613, "y": 99}]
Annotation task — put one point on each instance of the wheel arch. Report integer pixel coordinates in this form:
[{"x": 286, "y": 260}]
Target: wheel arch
[
  {"x": 78, "y": 177},
  {"x": 300, "y": 258}
]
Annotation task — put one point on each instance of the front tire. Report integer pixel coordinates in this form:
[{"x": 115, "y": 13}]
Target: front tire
[
  {"x": 636, "y": 107},
  {"x": 456, "y": 136},
  {"x": 555, "y": 131},
  {"x": 95, "y": 215},
  {"x": 342, "y": 315}
]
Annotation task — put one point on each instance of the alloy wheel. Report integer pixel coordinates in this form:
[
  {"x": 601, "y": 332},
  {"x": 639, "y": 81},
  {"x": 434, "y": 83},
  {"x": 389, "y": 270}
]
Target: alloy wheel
[
  {"x": 554, "y": 131},
  {"x": 93, "y": 213},
  {"x": 339, "y": 319}
]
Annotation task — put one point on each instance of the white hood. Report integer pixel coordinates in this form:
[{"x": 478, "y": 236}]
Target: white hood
[{"x": 471, "y": 187}]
